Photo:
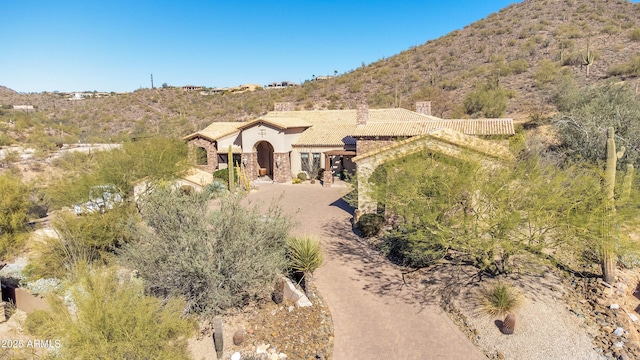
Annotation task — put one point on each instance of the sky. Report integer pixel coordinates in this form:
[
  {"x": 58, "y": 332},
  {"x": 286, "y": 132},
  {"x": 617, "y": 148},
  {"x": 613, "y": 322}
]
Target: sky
[{"x": 114, "y": 45}]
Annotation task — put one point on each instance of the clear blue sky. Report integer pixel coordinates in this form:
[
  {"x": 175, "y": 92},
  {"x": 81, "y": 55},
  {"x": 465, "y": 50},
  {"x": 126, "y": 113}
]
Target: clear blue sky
[{"x": 114, "y": 45}]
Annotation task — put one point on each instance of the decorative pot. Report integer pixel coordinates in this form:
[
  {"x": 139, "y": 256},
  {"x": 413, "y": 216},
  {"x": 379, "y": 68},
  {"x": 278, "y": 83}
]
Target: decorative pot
[{"x": 262, "y": 172}]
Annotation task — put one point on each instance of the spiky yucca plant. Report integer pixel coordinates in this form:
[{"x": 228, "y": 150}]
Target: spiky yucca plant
[{"x": 305, "y": 255}]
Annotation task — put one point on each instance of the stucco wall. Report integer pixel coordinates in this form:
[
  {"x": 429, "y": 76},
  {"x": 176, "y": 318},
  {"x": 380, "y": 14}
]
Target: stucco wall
[
  {"x": 252, "y": 136},
  {"x": 224, "y": 142}
]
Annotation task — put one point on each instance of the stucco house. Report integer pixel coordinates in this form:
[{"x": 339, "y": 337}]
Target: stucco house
[{"x": 280, "y": 143}]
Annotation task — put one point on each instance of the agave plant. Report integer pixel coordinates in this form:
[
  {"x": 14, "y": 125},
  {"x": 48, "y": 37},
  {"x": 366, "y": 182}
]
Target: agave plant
[{"x": 305, "y": 255}]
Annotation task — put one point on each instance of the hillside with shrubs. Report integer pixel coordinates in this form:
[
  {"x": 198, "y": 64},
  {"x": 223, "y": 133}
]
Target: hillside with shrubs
[{"x": 516, "y": 58}]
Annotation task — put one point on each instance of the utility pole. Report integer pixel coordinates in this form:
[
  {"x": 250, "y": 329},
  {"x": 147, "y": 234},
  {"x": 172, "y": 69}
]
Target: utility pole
[{"x": 152, "y": 81}]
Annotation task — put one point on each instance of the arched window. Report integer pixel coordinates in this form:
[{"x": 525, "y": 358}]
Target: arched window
[{"x": 201, "y": 156}]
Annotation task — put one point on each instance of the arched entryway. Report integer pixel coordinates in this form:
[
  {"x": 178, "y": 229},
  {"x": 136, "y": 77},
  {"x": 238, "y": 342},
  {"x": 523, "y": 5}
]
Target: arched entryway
[{"x": 264, "y": 151}]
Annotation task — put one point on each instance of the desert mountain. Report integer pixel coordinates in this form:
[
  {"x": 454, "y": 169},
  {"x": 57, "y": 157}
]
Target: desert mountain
[{"x": 525, "y": 48}]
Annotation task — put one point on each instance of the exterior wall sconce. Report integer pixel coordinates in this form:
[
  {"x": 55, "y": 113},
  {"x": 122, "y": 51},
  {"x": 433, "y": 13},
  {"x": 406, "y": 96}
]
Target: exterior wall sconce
[
  {"x": 245, "y": 160},
  {"x": 278, "y": 161}
]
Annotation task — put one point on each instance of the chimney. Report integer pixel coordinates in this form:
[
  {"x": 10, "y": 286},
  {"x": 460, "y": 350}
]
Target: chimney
[
  {"x": 283, "y": 106},
  {"x": 362, "y": 114},
  {"x": 423, "y": 107}
]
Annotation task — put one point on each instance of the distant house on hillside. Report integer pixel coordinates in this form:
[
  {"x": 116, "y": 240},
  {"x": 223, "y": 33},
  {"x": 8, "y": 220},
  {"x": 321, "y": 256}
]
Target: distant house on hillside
[
  {"x": 192, "y": 88},
  {"x": 23, "y": 107},
  {"x": 279, "y": 85}
]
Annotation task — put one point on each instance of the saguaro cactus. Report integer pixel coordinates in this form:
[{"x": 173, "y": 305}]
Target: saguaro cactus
[
  {"x": 608, "y": 241},
  {"x": 230, "y": 168},
  {"x": 588, "y": 58}
]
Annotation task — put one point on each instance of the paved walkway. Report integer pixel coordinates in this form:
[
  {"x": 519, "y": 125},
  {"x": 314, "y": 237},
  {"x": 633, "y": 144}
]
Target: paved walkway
[{"x": 375, "y": 315}]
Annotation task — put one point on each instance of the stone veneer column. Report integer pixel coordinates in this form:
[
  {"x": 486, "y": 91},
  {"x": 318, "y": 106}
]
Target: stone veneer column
[
  {"x": 212, "y": 153},
  {"x": 327, "y": 178},
  {"x": 252, "y": 165},
  {"x": 282, "y": 172},
  {"x": 362, "y": 114}
]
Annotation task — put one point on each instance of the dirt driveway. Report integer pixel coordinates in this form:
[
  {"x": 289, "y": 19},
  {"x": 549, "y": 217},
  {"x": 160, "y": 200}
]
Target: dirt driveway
[{"x": 375, "y": 315}]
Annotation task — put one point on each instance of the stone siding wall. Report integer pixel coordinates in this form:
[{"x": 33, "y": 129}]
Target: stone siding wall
[
  {"x": 252, "y": 165},
  {"x": 362, "y": 114},
  {"x": 212, "y": 153},
  {"x": 363, "y": 146},
  {"x": 282, "y": 173}
]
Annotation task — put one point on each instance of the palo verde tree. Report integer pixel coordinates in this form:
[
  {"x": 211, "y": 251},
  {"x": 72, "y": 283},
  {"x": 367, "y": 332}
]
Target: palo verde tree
[
  {"x": 113, "y": 319},
  {"x": 14, "y": 207},
  {"x": 152, "y": 160},
  {"x": 485, "y": 216}
]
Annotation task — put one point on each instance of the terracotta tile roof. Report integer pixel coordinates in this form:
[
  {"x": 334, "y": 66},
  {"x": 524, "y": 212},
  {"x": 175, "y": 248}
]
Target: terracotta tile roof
[
  {"x": 338, "y": 127},
  {"x": 280, "y": 122},
  {"x": 469, "y": 127},
  {"x": 217, "y": 130},
  {"x": 328, "y": 134}
]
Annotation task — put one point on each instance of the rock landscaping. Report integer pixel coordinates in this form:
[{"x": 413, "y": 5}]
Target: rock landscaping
[
  {"x": 271, "y": 331},
  {"x": 610, "y": 313}
]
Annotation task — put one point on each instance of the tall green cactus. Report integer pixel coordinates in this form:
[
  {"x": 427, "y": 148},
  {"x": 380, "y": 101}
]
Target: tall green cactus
[
  {"x": 608, "y": 241},
  {"x": 231, "y": 168},
  {"x": 588, "y": 58}
]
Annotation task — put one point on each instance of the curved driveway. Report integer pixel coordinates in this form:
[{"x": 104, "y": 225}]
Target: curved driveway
[{"x": 375, "y": 314}]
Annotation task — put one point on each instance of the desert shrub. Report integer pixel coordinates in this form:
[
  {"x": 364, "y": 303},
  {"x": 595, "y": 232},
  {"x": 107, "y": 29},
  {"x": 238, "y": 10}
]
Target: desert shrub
[
  {"x": 14, "y": 208},
  {"x": 216, "y": 260},
  {"x": 370, "y": 224},
  {"x": 6, "y": 140},
  {"x": 88, "y": 239},
  {"x": 296, "y": 181},
  {"x": 519, "y": 66},
  {"x": 610, "y": 29},
  {"x": 546, "y": 72},
  {"x": 487, "y": 100},
  {"x": 223, "y": 174},
  {"x": 587, "y": 112},
  {"x": 113, "y": 320},
  {"x": 215, "y": 189},
  {"x": 302, "y": 176},
  {"x": 634, "y": 35},
  {"x": 630, "y": 68},
  {"x": 499, "y": 299}
]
